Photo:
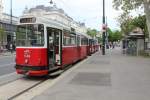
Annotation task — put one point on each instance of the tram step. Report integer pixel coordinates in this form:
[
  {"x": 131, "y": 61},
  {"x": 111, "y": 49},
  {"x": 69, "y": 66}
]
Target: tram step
[
  {"x": 56, "y": 73},
  {"x": 54, "y": 69}
]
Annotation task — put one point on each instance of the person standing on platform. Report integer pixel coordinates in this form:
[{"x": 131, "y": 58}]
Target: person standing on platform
[{"x": 11, "y": 48}]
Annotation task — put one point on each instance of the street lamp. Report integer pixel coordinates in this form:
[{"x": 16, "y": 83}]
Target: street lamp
[
  {"x": 103, "y": 45},
  {"x": 11, "y": 12},
  {"x": 51, "y": 2}
]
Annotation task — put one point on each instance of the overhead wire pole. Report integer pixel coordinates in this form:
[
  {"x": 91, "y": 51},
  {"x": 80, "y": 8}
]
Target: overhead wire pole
[
  {"x": 104, "y": 37},
  {"x": 11, "y": 18},
  {"x": 106, "y": 34}
]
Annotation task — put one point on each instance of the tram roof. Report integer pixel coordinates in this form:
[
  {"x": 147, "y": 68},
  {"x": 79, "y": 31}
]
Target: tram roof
[
  {"x": 48, "y": 22},
  {"x": 52, "y": 23}
]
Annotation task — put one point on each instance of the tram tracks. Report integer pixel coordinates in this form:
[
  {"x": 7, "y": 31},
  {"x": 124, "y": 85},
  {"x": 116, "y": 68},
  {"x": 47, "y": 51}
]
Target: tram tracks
[
  {"x": 6, "y": 79},
  {"x": 13, "y": 89},
  {"x": 13, "y": 86},
  {"x": 20, "y": 93}
]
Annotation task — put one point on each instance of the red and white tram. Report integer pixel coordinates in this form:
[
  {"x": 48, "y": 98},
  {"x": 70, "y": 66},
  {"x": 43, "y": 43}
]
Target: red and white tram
[{"x": 44, "y": 46}]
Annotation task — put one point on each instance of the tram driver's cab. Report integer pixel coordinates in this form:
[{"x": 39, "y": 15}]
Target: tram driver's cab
[{"x": 39, "y": 46}]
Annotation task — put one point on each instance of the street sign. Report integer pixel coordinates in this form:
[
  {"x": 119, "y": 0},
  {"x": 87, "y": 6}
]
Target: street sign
[{"x": 104, "y": 27}]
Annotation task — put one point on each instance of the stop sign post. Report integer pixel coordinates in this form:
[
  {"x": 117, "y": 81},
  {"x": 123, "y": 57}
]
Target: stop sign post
[{"x": 104, "y": 28}]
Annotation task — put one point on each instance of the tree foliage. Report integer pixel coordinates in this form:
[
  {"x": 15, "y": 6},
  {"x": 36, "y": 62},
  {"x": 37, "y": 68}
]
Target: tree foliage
[
  {"x": 127, "y": 26},
  {"x": 114, "y": 35},
  {"x": 131, "y": 23},
  {"x": 140, "y": 21},
  {"x": 92, "y": 32},
  {"x": 127, "y": 6},
  {"x": 2, "y": 35}
]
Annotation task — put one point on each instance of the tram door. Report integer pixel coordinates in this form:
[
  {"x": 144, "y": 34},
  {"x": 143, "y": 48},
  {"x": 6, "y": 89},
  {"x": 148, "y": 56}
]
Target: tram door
[
  {"x": 54, "y": 47},
  {"x": 78, "y": 45},
  {"x": 90, "y": 45}
]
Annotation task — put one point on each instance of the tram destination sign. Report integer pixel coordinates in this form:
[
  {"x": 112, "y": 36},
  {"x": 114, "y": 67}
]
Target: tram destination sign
[{"x": 28, "y": 20}]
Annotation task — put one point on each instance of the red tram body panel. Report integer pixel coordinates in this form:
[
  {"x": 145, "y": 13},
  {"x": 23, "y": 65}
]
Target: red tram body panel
[
  {"x": 69, "y": 55},
  {"x": 31, "y": 56},
  {"x": 83, "y": 52},
  {"x": 34, "y": 59}
]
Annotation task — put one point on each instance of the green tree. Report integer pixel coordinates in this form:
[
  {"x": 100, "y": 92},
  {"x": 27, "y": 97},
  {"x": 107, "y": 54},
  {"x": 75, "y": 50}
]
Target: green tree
[
  {"x": 2, "y": 35},
  {"x": 110, "y": 34},
  {"x": 131, "y": 23},
  {"x": 128, "y": 5},
  {"x": 127, "y": 26},
  {"x": 114, "y": 35},
  {"x": 140, "y": 22},
  {"x": 92, "y": 32},
  {"x": 117, "y": 35}
]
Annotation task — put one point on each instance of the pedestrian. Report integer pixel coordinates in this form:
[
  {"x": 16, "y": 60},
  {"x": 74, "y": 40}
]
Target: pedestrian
[
  {"x": 110, "y": 45},
  {"x": 100, "y": 45},
  {"x": 11, "y": 48},
  {"x": 113, "y": 45}
]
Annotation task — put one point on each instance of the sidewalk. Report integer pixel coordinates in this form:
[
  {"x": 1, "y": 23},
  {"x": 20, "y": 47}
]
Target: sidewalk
[{"x": 110, "y": 77}]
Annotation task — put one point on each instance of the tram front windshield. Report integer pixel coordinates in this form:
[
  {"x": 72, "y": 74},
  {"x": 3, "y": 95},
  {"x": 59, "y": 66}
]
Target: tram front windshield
[{"x": 30, "y": 35}]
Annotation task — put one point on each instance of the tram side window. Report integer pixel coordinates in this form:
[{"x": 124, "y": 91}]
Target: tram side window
[
  {"x": 66, "y": 39},
  {"x": 40, "y": 35},
  {"x": 73, "y": 39},
  {"x": 69, "y": 39},
  {"x": 78, "y": 40},
  {"x": 84, "y": 41},
  {"x": 91, "y": 42}
]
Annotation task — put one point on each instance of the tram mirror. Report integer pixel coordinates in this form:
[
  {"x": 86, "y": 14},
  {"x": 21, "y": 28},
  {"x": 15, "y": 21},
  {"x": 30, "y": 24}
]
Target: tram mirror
[{"x": 41, "y": 28}]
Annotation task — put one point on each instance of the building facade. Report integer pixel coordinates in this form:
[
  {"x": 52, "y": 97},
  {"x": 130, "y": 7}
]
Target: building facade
[
  {"x": 9, "y": 29},
  {"x": 57, "y": 14}
]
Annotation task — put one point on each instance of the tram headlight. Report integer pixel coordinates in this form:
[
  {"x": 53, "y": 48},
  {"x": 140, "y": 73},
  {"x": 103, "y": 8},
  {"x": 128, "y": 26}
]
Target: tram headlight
[{"x": 26, "y": 61}]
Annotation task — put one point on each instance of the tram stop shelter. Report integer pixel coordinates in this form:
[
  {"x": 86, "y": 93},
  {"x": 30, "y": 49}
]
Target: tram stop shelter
[{"x": 134, "y": 43}]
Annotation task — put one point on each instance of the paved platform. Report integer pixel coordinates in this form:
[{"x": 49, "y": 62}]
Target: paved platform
[{"x": 110, "y": 77}]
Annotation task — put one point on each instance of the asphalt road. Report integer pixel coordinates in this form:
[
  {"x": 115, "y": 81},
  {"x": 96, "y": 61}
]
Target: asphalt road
[{"x": 7, "y": 64}]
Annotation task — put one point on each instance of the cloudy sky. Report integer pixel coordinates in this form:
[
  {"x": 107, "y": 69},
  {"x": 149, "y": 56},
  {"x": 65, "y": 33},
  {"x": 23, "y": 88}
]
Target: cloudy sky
[{"x": 88, "y": 11}]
